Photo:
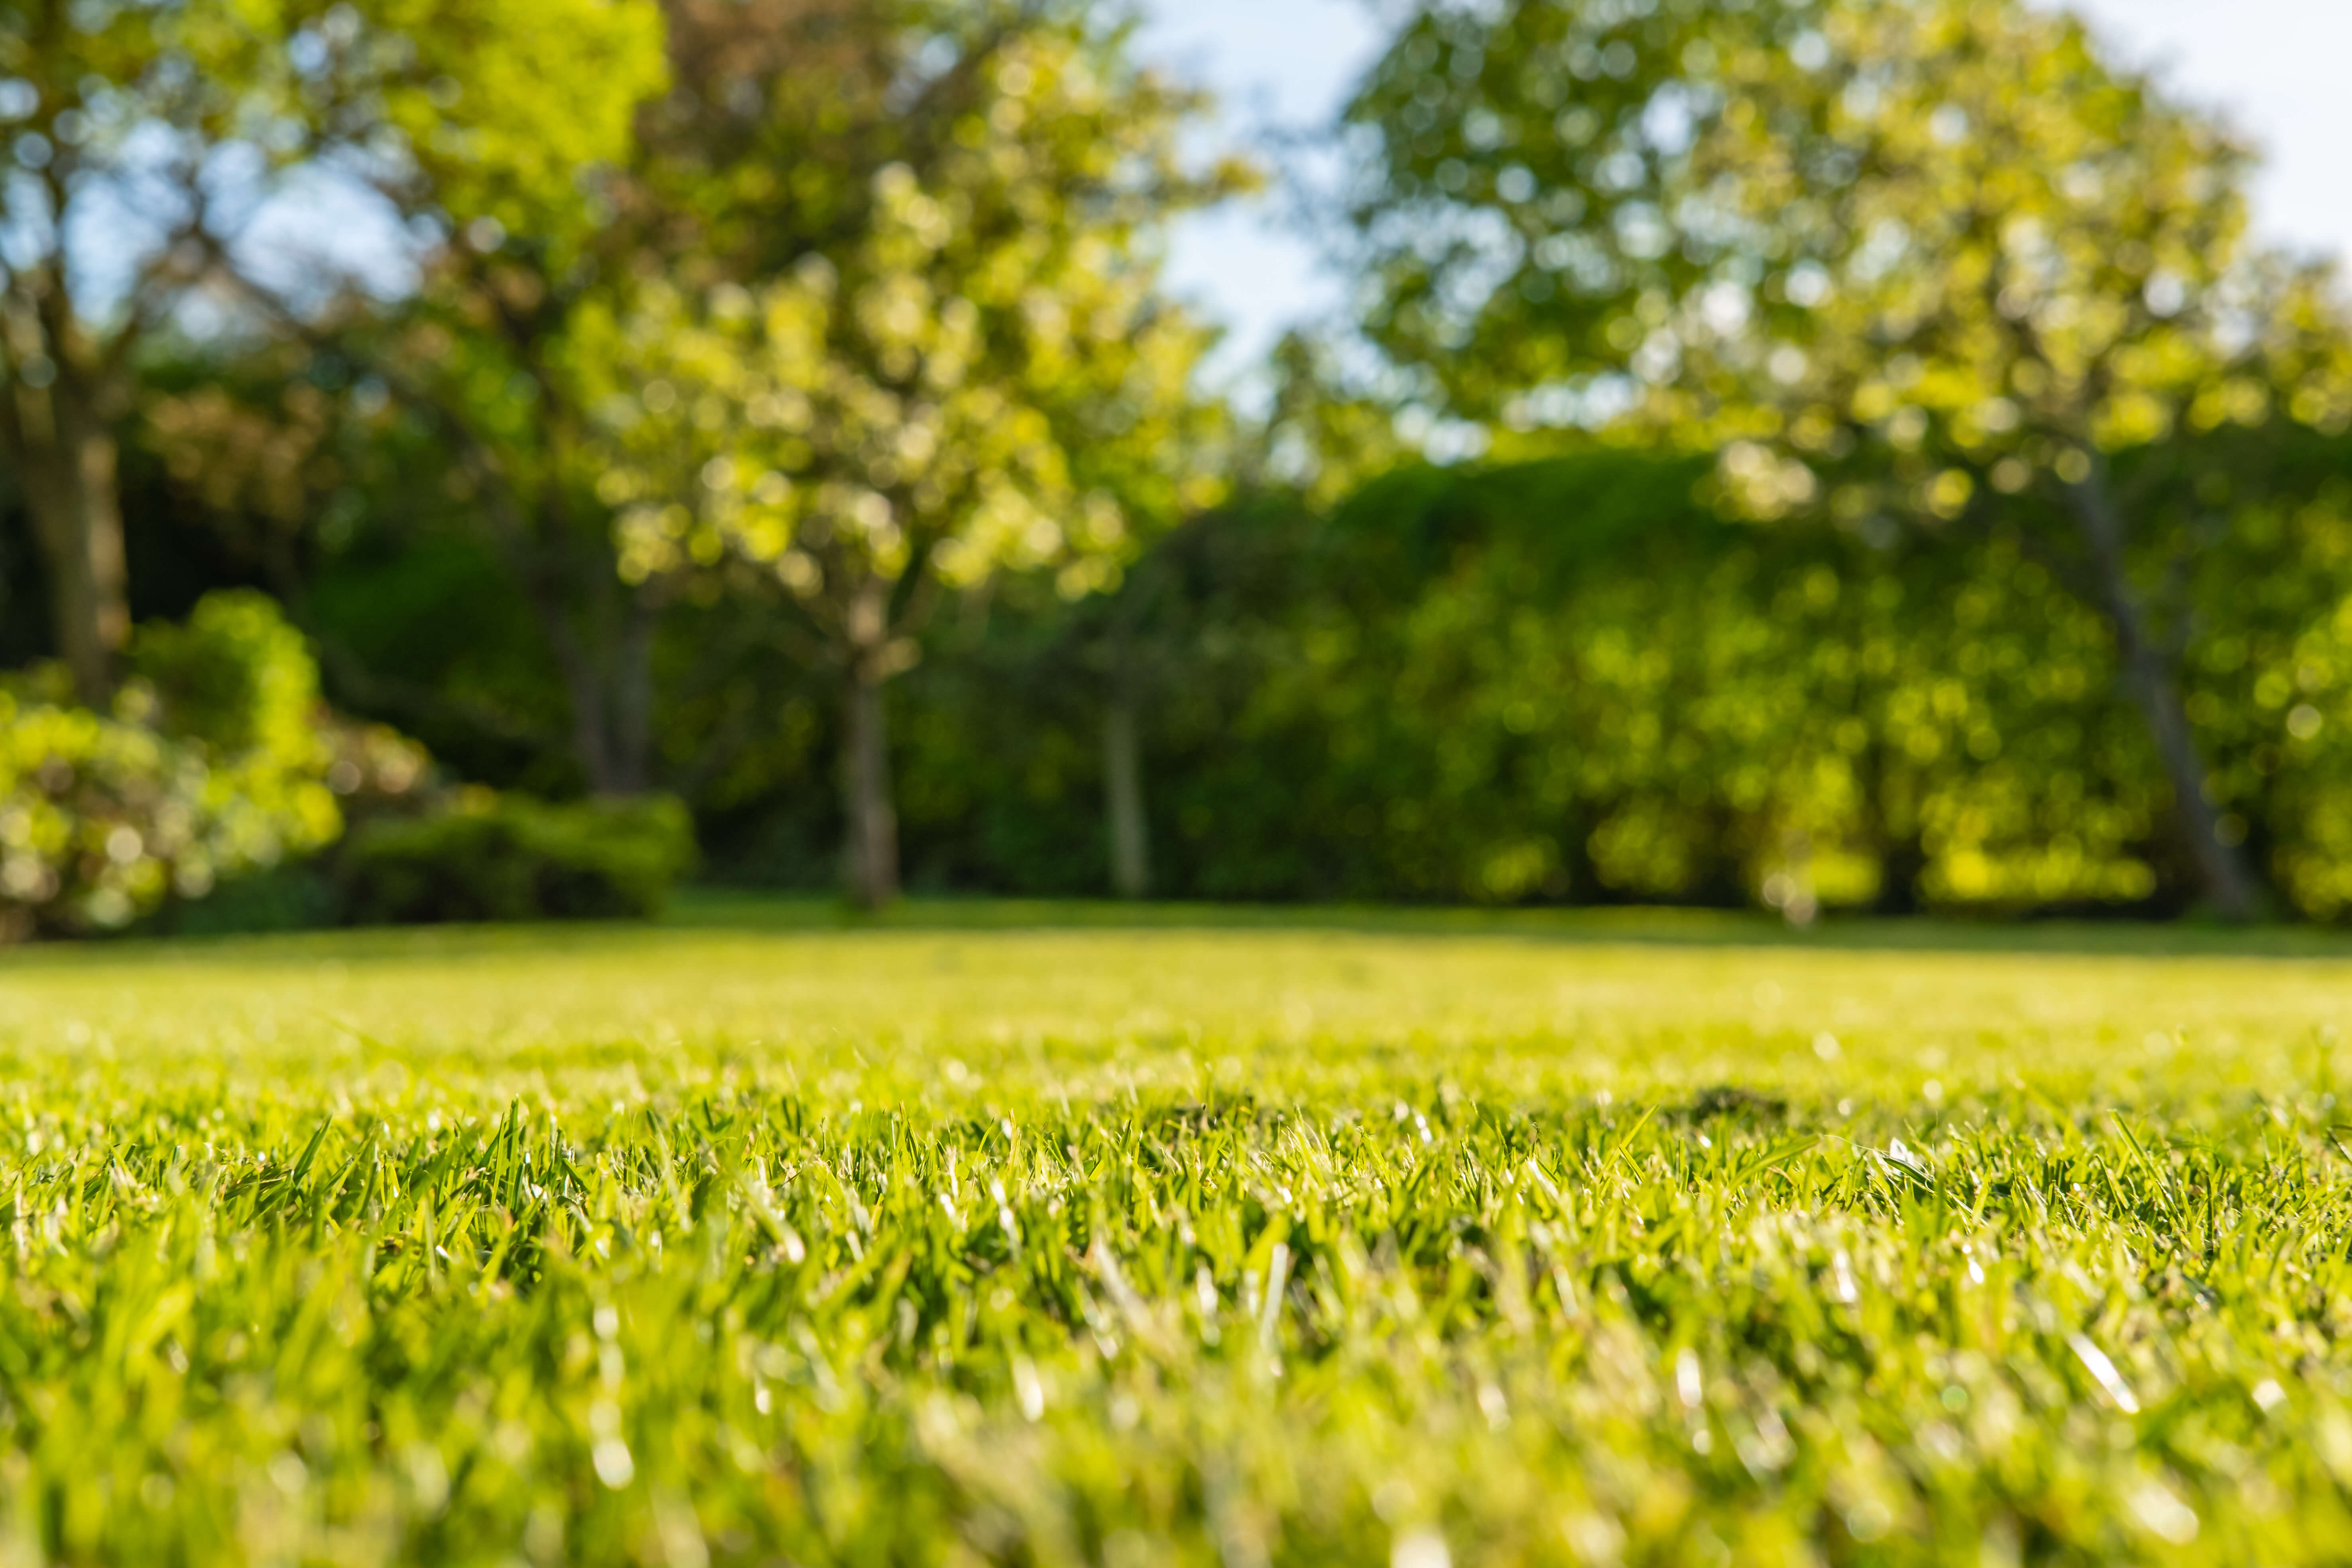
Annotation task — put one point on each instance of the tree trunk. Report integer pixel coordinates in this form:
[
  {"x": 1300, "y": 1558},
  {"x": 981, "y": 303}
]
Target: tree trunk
[
  {"x": 607, "y": 678},
  {"x": 1130, "y": 843},
  {"x": 630, "y": 769},
  {"x": 2154, "y": 687},
  {"x": 584, "y": 686},
  {"x": 2151, "y": 678},
  {"x": 65, "y": 467},
  {"x": 1893, "y": 830},
  {"x": 870, "y": 858}
]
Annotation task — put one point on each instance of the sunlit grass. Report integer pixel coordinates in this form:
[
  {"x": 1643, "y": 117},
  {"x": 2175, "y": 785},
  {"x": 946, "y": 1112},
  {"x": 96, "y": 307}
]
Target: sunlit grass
[{"x": 1354, "y": 1238}]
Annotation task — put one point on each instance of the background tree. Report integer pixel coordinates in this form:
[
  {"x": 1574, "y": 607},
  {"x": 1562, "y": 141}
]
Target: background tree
[
  {"x": 655, "y": 164},
  {"x": 942, "y": 392},
  {"x": 139, "y": 140},
  {"x": 528, "y": 222},
  {"x": 155, "y": 143},
  {"x": 755, "y": 150},
  {"x": 1933, "y": 263}
]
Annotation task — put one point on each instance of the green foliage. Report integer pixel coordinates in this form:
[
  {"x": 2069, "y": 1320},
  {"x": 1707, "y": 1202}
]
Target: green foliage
[
  {"x": 420, "y": 626},
  {"x": 1576, "y": 681},
  {"x": 2267, "y": 673},
  {"x": 980, "y": 372},
  {"x": 117, "y": 94},
  {"x": 234, "y": 676},
  {"x": 1571, "y": 680},
  {"x": 293, "y": 895},
  {"x": 509, "y": 858},
  {"x": 1567, "y": 680},
  {"x": 512, "y": 115},
  {"x": 1320, "y": 435},
  {"x": 212, "y": 763},
  {"x": 1172, "y": 1246},
  {"x": 972, "y": 368},
  {"x": 1932, "y": 264},
  {"x": 1952, "y": 232},
  {"x": 134, "y": 121},
  {"x": 796, "y": 313}
]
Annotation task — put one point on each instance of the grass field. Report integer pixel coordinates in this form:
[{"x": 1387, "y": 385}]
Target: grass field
[{"x": 1004, "y": 1235}]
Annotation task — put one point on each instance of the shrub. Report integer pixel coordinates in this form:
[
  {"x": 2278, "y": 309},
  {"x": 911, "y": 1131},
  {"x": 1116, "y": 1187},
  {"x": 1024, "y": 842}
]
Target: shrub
[
  {"x": 234, "y": 676},
  {"x": 504, "y": 858},
  {"x": 294, "y": 895},
  {"x": 209, "y": 765}
]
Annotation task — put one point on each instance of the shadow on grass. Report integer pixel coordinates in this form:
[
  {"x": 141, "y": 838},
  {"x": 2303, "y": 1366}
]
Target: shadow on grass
[
  {"x": 714, "y": 910},
  {"x": 700, "y": 914}
]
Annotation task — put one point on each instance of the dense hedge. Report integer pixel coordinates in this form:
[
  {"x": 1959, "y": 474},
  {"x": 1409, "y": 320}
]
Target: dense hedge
[{"x": 505, "y": 857}]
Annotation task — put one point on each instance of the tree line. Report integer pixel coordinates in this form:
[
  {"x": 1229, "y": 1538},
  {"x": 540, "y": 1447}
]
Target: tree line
[{"x": 1906, "y": 479}]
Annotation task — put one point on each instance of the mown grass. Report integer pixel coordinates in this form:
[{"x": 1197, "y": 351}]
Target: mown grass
[{"x": 764, "y": 1240}]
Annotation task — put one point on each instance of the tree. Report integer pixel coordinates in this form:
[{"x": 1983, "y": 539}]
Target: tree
[
  {"x": 152, "y": 141},
  {"x": 1922, "y": 262},
  {"x": 127, "y": 128},
  {"x": 749, "y": 147},
  {"x": 530, "y": 221},
  {"x": 962, "y": 378}
]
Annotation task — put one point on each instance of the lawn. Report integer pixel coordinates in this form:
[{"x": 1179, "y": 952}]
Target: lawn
[{"x": 1039, "y": 1235}]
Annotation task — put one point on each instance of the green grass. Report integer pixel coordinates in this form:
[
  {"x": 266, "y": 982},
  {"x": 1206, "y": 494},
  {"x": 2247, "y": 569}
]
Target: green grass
[{"x": 1035, "y": 1233}]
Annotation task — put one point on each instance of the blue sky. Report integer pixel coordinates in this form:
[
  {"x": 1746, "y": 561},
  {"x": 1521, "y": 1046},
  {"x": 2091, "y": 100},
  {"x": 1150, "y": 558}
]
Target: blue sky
[{"x": 2275, "y": 68}]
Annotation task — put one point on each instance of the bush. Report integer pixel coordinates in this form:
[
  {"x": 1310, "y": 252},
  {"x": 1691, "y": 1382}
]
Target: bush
[
  {"x": 210, "y": 765},
  {"x": 234, "y": 676},
  {"x": 509, "y": 857},
  {"x": 295, "y": 895}
]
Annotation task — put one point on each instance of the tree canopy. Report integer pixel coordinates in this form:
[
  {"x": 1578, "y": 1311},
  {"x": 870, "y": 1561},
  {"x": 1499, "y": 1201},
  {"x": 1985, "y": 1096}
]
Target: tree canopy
[{"x": 157, "y": 141}]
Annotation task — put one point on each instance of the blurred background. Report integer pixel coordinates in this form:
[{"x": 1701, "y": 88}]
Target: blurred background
[{"x": 477, "y": 461}]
